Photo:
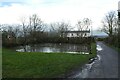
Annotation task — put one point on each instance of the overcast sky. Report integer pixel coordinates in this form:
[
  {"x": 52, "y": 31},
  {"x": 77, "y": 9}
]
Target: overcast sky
[{"x": 56, "y": 10}]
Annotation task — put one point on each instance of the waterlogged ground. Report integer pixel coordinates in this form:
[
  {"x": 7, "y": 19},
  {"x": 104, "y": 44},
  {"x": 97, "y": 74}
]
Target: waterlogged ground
[{"x": 105, "y": 65}]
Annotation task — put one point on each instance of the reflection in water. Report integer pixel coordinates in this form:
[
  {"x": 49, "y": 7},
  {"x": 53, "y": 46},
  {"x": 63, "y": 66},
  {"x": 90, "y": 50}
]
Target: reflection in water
[
  {"x": 84, "y": 72},
  {"x": 99, "y": 48},
  {"x": 78, "y": 52},
  {"x": 86, "y": 69},
  {"x": 49, "y": 47},
  {"x": 99, "y": 58},
  {"x": 20, "y": 50}
]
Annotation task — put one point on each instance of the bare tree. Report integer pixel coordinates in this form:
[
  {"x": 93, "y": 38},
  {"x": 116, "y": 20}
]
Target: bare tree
[
  {"x": 16, "y": 31},
  {"x": 52, "y": 30},
  {"x": 63, "y": 27},
  {"x": 109, "y": 23},
  {"x": 36, "y": 27},
  {"x": 8, "y": 35},
  {"x": 36, "y": 23},
  {"x": 60, "y": 27},
  {"x": 79, "y": 26},
  {"x": 84, "y": 25},
  {"x": 25, "y": 27},
  {"x": 87, "y": 22}
]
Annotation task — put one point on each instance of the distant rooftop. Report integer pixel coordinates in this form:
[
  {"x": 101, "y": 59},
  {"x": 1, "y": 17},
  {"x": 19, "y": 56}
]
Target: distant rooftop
[
  {"x": 83, "y": 31},
  {"x": 99, "y": 33}
]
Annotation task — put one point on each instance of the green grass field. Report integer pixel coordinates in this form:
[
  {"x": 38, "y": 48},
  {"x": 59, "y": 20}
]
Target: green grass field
[{"x": 41, "y": 65}]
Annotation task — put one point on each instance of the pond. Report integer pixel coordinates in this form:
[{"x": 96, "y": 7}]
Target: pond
[{"x": 50, "y": 47}]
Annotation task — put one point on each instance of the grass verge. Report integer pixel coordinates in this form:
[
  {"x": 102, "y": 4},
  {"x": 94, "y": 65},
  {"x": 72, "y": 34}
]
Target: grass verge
[
  {"x": 114, "y": 47},
  {"x": 93, "y": 49},
  {"x": 41, "y": 65}
]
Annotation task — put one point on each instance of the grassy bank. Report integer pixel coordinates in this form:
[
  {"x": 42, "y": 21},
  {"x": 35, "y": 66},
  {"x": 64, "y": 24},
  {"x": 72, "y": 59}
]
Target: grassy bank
[
  {"x": 114, "y": 47},
  {"x": 41, "y": 65},
  {"x": 93, "y": 49}
]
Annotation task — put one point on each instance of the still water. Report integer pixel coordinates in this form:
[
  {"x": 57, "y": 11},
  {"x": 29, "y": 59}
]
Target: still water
[{"x": 50, "y": 47}]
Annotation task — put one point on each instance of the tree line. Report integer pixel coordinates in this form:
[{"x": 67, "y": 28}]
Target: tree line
[
  {"x": 33, "y": 30},
  {"x": 112, "y": 28}
]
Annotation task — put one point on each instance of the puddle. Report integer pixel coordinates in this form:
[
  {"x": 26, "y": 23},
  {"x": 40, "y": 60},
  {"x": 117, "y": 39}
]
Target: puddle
[
  {"x": 98, "y": 56},
  {"x": 20, "y": 50},
  {"x": 99, "y": 48},
  {"x": 86, "y": 69},
  {"x": 84, "y": 72}
]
